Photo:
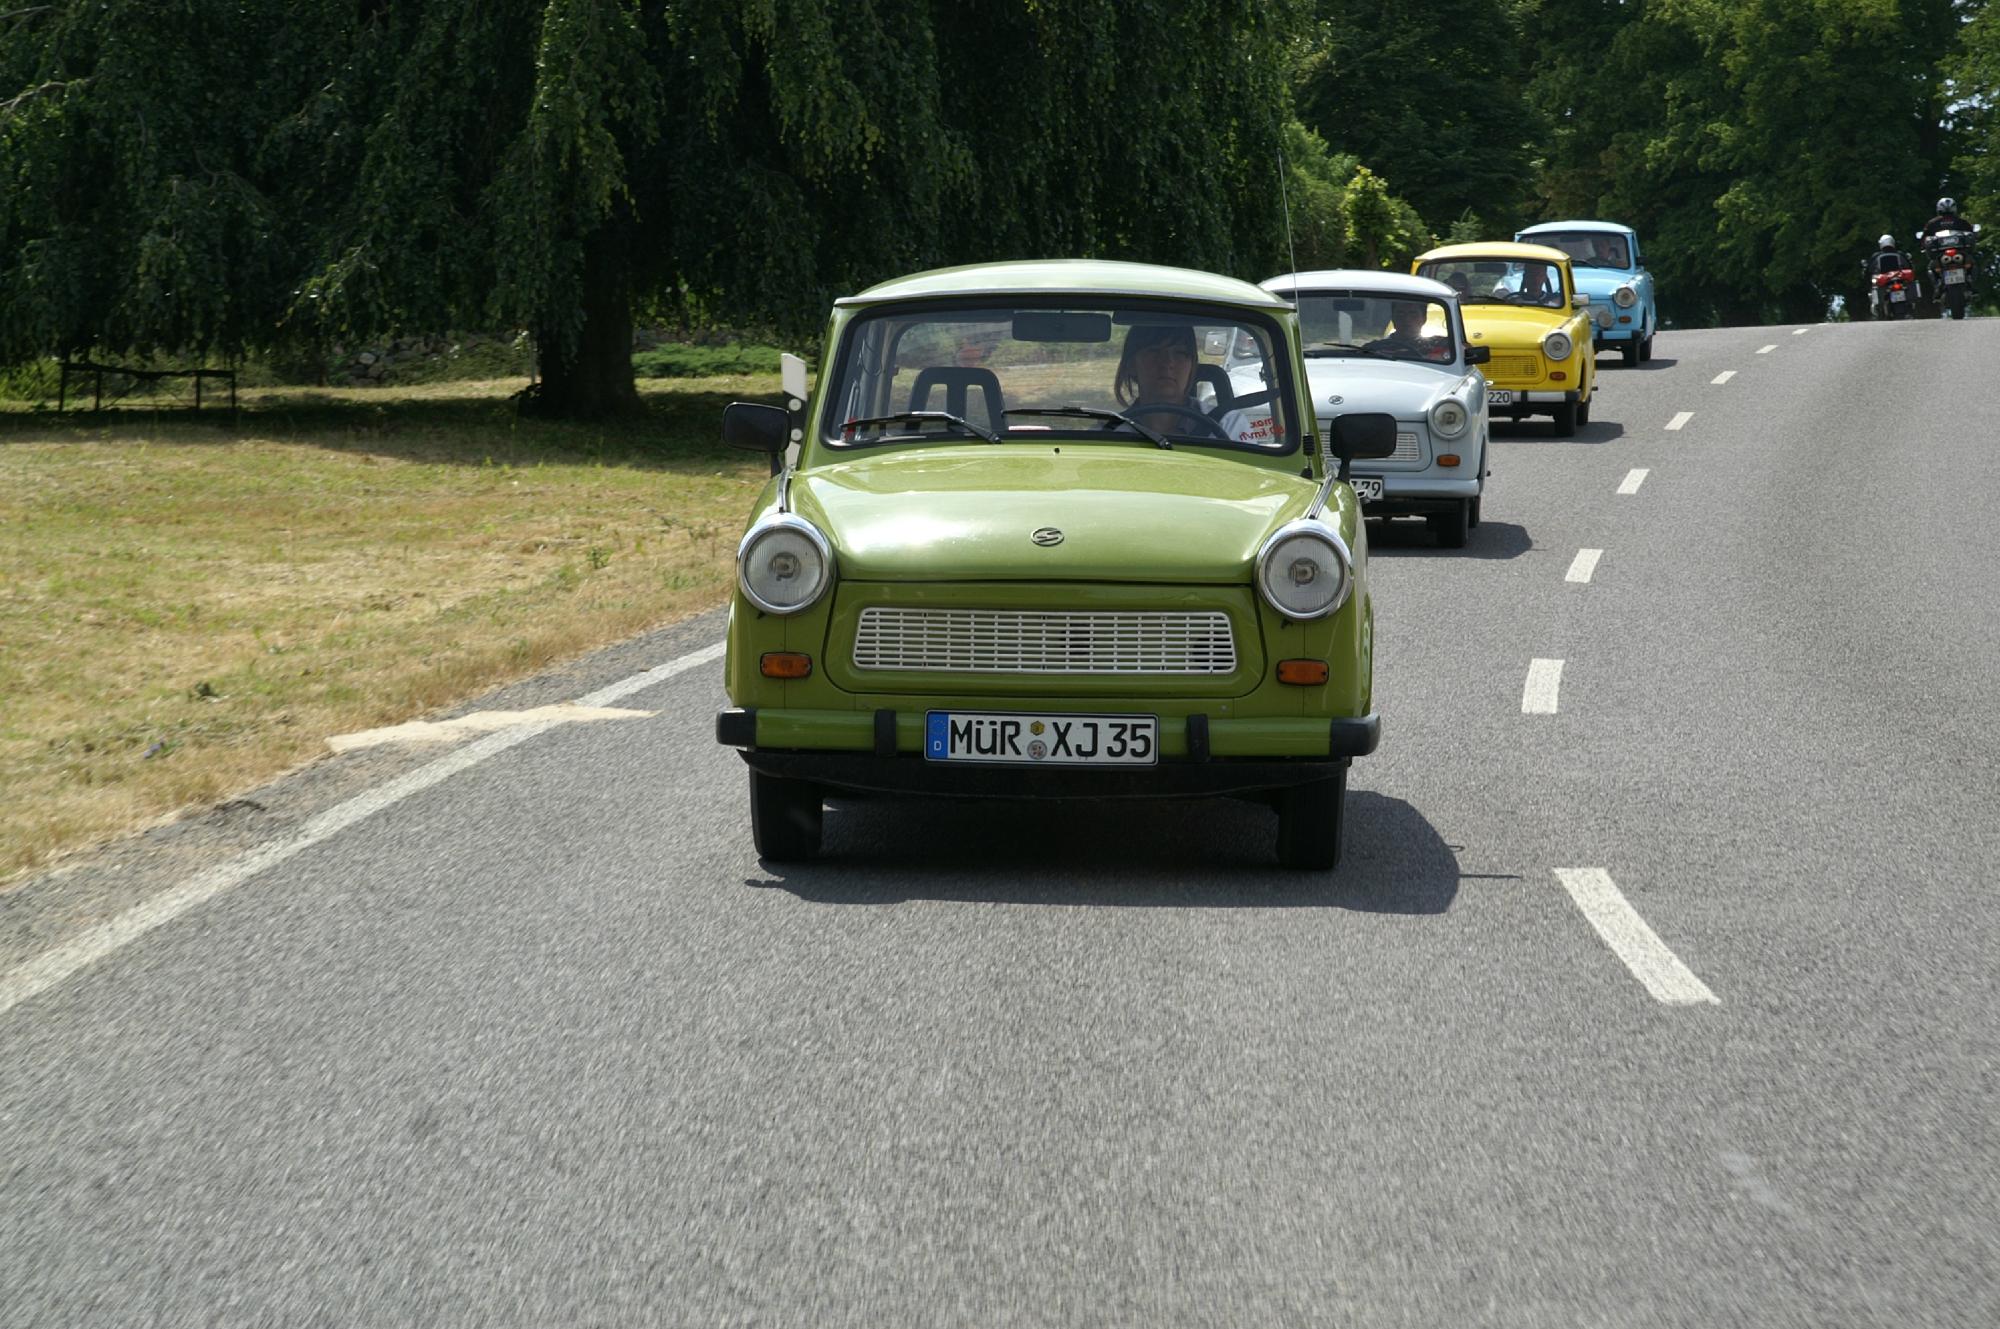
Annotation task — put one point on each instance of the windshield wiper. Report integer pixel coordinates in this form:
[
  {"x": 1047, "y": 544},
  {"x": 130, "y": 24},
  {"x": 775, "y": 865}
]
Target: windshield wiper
[
  {"x": 1093, "y": 413},
  {"x": 917, "y": 417},
  {"x": 1324, "y": 352}
]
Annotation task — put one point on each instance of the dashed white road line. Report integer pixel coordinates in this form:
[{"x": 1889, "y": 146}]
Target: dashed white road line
[
  {"x": 47, "y": 970},
  {"x": 1800, "y": 332},
  {"x": 1633, "y": 479},
  {"x": 1680, "y": 419},
  {"x": 1538, "y": 697},
  {"x": 1632, "y": 940},
  {"x": 1583, "y": 564},
  {"x": 1724, "y": 376},
  {"x": 1766, "y": 350}
]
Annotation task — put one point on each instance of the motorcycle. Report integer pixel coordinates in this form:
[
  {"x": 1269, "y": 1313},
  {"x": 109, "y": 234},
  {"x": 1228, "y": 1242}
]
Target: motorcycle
[
  {"x": 1893, "y": 294},
  {"x": 1951, "y": 265}
]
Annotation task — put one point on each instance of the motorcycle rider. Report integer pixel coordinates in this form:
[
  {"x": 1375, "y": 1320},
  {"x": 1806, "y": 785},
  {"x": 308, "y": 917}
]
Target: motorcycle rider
[
  {"x": 1947, "y": 219},
  {"x": 1886, "y": 258}
]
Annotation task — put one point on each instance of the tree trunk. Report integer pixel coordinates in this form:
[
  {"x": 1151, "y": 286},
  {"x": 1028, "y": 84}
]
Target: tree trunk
[{"x": 590, "y": 377}]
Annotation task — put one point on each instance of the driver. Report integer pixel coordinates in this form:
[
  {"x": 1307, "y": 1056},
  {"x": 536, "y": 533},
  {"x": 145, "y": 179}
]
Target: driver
[
  {"x": 1539, "y": 287},
  {"x": 1157, "y": 370},
  {"x": 1886, "y": 258},
  {"x": 1604, "y": 252},
  {"x": 1406, "y": 331},
  {"x": 1947, "y": 219}
]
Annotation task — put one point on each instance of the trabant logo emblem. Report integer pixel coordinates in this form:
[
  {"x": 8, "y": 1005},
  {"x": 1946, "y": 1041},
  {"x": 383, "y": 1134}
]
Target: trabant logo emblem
[
  {"x": 1336, "y": 400},
  {"x": 1047, "y": 536}
]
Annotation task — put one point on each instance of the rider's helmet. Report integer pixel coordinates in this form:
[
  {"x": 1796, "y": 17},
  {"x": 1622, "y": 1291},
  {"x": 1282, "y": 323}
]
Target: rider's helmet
[
  {"x": 1946, "y": 206},
  {"x": 1887, "y": 242}
]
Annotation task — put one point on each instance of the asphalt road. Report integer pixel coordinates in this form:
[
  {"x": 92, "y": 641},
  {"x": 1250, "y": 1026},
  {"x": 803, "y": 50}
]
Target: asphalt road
[{"x": 544, "y": 1044}]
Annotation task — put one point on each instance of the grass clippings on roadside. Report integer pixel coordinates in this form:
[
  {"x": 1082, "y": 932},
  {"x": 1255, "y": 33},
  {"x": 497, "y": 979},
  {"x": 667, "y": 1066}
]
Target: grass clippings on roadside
[{"x": 188, "y": 608}]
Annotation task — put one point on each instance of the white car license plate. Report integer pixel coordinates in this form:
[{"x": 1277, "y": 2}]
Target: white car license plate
[
  {"x": 1367, "y": 488},
  {"x": 1499, "y": 397},
  {"x": 1953, "y": 276},
  {"x": 1899, "y": 295},
  {"x": 1023, "y": 739}
]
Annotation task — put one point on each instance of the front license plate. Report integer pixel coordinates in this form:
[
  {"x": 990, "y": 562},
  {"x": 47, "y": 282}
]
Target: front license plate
[
  {"x": 1953, "y": 276},
  {"x": 1367, "y": 488},
  {"x": 1499, "y": 397},
  {"x": 1019, "y": 739}
]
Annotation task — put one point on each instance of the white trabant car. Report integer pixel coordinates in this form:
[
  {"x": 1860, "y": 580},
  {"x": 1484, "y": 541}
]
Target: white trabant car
[{"x": 1382, "y": 341}]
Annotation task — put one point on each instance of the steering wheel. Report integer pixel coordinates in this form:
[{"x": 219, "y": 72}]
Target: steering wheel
[{"x": 1206, "y": 424}]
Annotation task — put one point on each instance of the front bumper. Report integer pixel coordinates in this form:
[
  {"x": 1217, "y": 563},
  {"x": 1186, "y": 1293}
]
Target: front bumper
[
  {"x": 1409, "y": 495},
  {"x": 882, "y": 751}
]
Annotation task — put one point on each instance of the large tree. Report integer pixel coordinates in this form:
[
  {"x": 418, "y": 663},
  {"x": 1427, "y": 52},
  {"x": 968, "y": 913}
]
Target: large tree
[{"x": 561, "y": 164}]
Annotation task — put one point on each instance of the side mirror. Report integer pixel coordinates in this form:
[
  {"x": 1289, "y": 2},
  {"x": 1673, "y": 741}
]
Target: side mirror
[
  {"x": 1478, "y": 355},
  {"x": 756, "y": 428},
  {"x": 1582, "y": 299},
  {"x": 1364, "y": 434}
]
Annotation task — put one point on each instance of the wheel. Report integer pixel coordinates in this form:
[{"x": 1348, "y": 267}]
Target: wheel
[
  {"x": 1451, "y": 526},
  {"x": 1646, "y": 350},
  {"x": 1632, "y": 350},
  {"x": 1473, "y": 519},
  {"x": 785, "y": 818},
  {"x": 1955, "y": 300},
  {"x": 1583, "y": 409},
  {"x": 1565, "y": 419},
  {"x": 1309, "y": 823}
]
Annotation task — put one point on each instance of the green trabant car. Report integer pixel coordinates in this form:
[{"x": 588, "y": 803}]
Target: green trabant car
[{"x": 1054, "y": 530}]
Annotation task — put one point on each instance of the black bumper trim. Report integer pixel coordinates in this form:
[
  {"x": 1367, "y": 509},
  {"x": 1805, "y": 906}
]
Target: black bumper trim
[
  {"x": 862, "y": 772},
  {"x": 885, "y": 733},
  {"x": 1354, "y": 738},
  {"x": 736, "y": 727},
  {"x": 1197, "y": 737}
]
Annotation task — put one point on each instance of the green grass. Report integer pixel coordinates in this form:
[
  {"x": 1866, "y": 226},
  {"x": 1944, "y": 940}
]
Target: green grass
[{"x": 188, "y": 608}]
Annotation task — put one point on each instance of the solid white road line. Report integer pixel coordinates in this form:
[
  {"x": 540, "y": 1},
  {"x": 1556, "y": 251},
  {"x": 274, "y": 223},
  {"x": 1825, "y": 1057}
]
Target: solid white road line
[
  {"x": 1538, "y": 697},
  {"x": 1633, "y": 479},
  {"x": 1766, "y": 350},
  {"x": 1631, "y": 940},
  {"x": 1583, "y": 564},
  {"x": 1724, "y": 376},
  {"x": 45, "y": 971},
  {"x": 1680, "y": 419}
]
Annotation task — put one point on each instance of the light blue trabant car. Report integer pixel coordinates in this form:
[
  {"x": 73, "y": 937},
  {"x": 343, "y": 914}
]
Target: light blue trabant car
[
  {"x": 1386, "y": 342},
  {"x": 1608, "y": 267}
]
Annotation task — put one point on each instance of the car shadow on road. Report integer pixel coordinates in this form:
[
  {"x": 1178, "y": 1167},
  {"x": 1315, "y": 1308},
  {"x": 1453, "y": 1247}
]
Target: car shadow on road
[
  {"x": 1543, "y": 431},
  {"x": 1206, "y": 854},
  {"x": 1407, "y": 537}
]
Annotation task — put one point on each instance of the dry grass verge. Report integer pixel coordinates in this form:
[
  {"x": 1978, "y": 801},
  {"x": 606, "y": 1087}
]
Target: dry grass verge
[{"x": 188, "y": 609}]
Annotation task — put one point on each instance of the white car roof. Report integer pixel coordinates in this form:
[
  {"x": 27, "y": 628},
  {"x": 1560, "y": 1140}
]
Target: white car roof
[
  {"x": 1361, "y": 279},
  {"x": 1608, "y": 228}
]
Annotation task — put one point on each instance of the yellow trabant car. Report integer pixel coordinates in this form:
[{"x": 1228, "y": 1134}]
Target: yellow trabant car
[{"x": 1521, "y": 302}]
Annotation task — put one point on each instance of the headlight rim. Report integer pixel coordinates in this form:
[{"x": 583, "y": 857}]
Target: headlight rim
[
  {"x": 1342, "y": 556},
  {"x": 1465, "y": 421},
  {"x": 1625, "y": 297},
  {"x": 814, "y": 536},
  {"x": 1548, "y": 345}
]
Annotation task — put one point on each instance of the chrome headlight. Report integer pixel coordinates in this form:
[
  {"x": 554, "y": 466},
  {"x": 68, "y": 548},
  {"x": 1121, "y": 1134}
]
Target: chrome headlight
[
  {"x": 1625, "y": 297},
  {"x": 1449, "y": 418},
  {"x": 1556, "y": 346},
  {"x": 1304, "y": 570},
  {"x": 784, "y": 564}
]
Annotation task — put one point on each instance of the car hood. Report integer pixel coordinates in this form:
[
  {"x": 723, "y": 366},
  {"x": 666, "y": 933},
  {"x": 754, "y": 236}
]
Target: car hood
[
  {"x": 1512, "y": 325},
  {"x": 1404, "y": 390},
  {"x": 960, "y": 514}
]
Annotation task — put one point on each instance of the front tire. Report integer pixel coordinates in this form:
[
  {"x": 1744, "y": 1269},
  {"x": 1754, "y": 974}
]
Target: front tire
[
  {"x": 1646, "y": 351},
  {"x": 1311, "y": 826},
  {"x": 1565, "y": 420},
  {"x": 785, "y": 818},
  {"x": 1632, "y": 351},
  {"x": 1452, "y": 526}
]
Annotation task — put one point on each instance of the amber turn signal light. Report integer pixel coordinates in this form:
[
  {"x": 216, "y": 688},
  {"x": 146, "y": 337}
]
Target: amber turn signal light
[
  {"x": 1447, "y": 459},
  {"x": 1557, "y": 375},
  {"x": 785, "y": 664},
  {"x": 1305, "y": 673}
]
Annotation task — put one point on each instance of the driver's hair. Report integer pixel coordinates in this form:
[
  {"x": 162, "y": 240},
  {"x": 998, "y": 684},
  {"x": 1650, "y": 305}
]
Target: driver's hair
[{"x": 1145, "y": 336}]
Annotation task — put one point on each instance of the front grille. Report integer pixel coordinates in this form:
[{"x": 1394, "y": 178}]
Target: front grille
[
  {"x": 1514, "y": 366},
  {"x": 1008, "y": 641},
  {"x": 1409, "y": 448}
]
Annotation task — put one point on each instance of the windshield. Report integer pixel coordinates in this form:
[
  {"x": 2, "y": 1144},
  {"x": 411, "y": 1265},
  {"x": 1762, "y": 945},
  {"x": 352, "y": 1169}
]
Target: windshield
[
  {"x": 1392, "y": 327},
  {"x": 1096, "y": 369},
  {"x": 1588, "y": 249},
  {"x": 1499, "y": 281}
]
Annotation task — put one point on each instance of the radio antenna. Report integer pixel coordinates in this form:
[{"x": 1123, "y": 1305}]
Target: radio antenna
[{"x": 1285, "y": 197}]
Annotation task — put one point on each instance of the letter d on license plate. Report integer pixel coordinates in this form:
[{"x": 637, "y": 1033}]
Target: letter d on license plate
[{"x": 1024, "y": 739}]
